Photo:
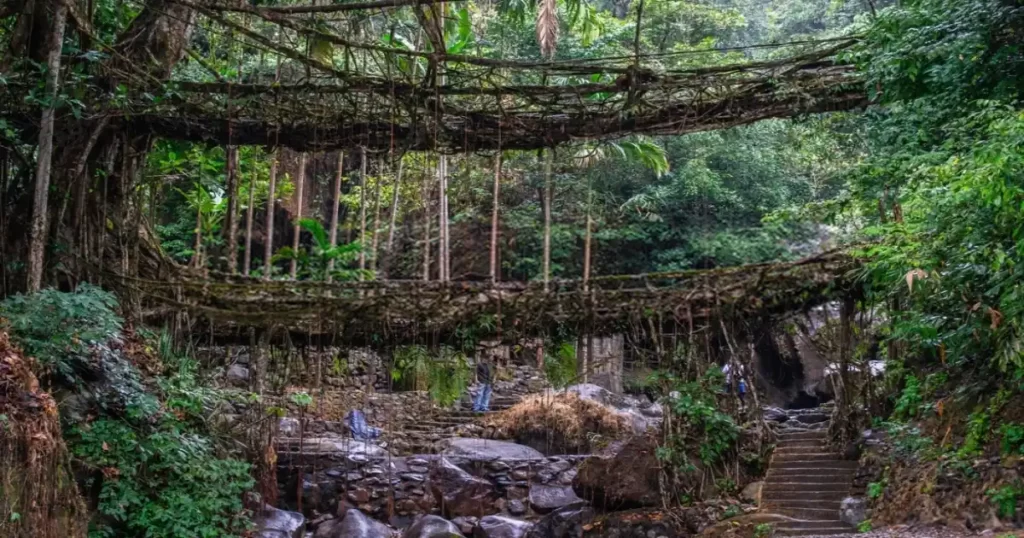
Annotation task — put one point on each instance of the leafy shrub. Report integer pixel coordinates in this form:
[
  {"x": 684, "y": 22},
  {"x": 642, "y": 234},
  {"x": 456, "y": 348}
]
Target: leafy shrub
[
  {"x": 875, "y": 490},
  {"x": 699, "y": 421},
  {"x": 560, "y": 366},
  {"x": 908, "y": 405},
  {"x": 59, "y": 328},
  {"x": 445, "y": 376},
  {"x": 977, "y": 434},
  {"x": 165, "y": 483},
  {"x": 763, "y": 530},
  {"x": 1005, "y": 499},
  {"x": 864, "y": 526},
  {"x": 1012, "y": 438}
]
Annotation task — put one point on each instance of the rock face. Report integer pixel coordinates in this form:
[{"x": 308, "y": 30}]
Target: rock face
[
  {"x": 626, "y": 479},
  {"x": 501, "y": 527},
  {"x": 432, "y": 527},
  {"x": 545, "y": 499},
  {"x": 640, "y": 414},
  {"x": 460, "y": 493},
  {"x": 274, "y": 523},
  {"x": 853, "y": 510},
  {"x": 566, "y": 522},
  {"x": 486, "y": 449},
  {"x": 752, "y": 493},
  {"x": 354, "y": 525}
]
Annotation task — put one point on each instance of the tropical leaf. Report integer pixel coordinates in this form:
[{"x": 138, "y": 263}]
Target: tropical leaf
[{"x": 318, "y": 232}]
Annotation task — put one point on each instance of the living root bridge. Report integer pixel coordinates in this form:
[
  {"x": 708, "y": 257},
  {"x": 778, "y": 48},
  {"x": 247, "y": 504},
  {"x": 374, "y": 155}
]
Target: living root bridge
[{"x": 411, "y": 309}]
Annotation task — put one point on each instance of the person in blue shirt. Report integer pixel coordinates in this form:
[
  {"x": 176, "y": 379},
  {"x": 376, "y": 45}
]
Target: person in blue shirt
[{"x": 361, "y": 430}]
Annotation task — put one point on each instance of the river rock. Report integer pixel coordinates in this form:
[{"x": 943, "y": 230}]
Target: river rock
[
  {"x": 238, "y": 375},
  {"x": 487, "y": 449},
  {"x": 273, "y": 523},
  {"x": 460, "y": 493},
  {"x": 566, "y": 522},
  {"x": 432, "y": 527},
  {"x": 625, "y": 476},
  {"x": 853, "y": 510},
  {"x": 501, "y": 527},
  {"x": 354, "y": 525},
  {"x": 752, "y": 492},
  {"x": 627, "y": 407},
  {"x": 545, "y": 499}
]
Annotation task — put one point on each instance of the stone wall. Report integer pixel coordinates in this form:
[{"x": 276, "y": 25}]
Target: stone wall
[
  {"x": 605, "y": 367},
  {"x": 396, "y": 489}
]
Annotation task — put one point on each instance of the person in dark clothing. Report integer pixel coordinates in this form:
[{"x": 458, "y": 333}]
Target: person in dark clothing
[{"x": 484, "y": 377}]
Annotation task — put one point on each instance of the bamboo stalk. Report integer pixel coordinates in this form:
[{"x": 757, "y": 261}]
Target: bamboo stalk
[{"x": 300, "y": 182}]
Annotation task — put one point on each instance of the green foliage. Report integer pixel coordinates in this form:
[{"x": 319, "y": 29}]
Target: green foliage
[
  {"x": 161, "y": 483},
  {"x": 1012, "y": 438},
  {"x": 1006, "y": 498},
  {"x": 59, "y": 329},
  {"x": 864, "y": 526},
  {"x": 322, "y": 260},
  {"x": 699, "y": 424},
  {"x": 875, "y": 490},
  {"x": 444, "y": 376},
  {"x": 908, "y": 405},
  {"x": 301, "y": 399},
  {"x": 764, "y": 530},
  {"x": 560, "y": 366}
]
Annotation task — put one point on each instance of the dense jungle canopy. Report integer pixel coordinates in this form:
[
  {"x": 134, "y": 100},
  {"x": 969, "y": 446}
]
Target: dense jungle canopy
[{"x": 266, "y": 163}]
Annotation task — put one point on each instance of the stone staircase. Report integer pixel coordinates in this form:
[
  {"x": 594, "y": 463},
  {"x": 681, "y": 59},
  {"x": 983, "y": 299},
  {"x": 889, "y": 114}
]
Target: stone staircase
[
  {"x": 806, "y": 481},
  {"x": 422, "y": 437}
]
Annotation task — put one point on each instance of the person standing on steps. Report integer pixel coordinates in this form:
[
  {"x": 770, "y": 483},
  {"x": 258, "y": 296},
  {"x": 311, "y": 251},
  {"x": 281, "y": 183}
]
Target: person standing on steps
[
  {"x": 729, "y": 369},
  {"x": 483, "y": 376}
]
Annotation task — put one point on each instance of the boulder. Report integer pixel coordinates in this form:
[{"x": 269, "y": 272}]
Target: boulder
[
  {"x": 752, "y": 493},
  {"x": 432, "y": 527},
  {"x": 273, "y": 523},
  {"x": 501, "y": 527},
  {"x": 545, "y": 499},
  {"x": 774, "y": 414},
  {"x": 460, "y": 493},
  {"x": 354, "y": 525},
  {"x": 627, "y": 407},
  {"x": 237, "y": 375},
  {"x": 625, "y": 476},
  {"x": 516, "y": 507},
  {"x": 487, "y": 449},
  {"x": 351, "y": 448},
  {"x": 566, "y": 522},
  {"x": 853, "y": 510},
  {"x": 647, "y": 523},
  {"x": 466, "y": 524}
]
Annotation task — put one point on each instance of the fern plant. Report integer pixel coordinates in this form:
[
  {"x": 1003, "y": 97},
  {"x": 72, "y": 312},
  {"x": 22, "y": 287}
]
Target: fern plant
[{"x": 323, "y": 260}]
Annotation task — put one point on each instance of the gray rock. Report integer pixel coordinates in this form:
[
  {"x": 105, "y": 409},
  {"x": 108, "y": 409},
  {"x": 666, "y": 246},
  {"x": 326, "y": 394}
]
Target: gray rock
[
  {"x": 432, "y": 527},
  {"x": 774, "y": 414},
  {"x": 501, "y": 527},
  {"x": 288, "y": 427},
  {"x": 516, "y": 507},
  {"x": 354, "y": 525},
  {"x": 273, "y": 523},
  {"x": 238, "y": 375},
  {"x": 566, "y": 522},
  {"x": 812, "y": 418},
  {"x": 853, "y": 510},
  {"x": 460, "y": 493},
  {"x": 465, "y": 524},
  {"x": 655, "y": 410},
  {"x": 752, "y": 492},
  {"x": 487, "y": 449},
  {"x": 546, "y": 499},
  {"x": 627, "y": 408}
]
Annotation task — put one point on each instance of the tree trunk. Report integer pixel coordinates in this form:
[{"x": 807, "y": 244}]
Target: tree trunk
[
  {"x": 37, "y": 245},
  {"x": 586, "y": 241},
  {"x": 376, "y": 221},
  {"x": 495, "y": 276},
  {"x": 394, "y": 215},
  {"x": 334, "y": 209},
  {"x": 442, "y": 248},
  {"x": 548, "y": 158},
  {"x": 300, "y": 181},
  {"x": 232, "y": 194},
  {"x": 250, "y": 210},
  {"x": 268, "y": 241},
  {"x": 362, "y": 211},
  {"x": 426, "y": 227}
]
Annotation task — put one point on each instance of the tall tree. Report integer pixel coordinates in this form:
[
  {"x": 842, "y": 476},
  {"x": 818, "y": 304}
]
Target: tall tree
[
  {"x": 300, "y": 181},
  {"x": 231, "y": 230},
  {"x": 443, "y": 256},
  {"x": 362, "y": 209},
  {"x": 334, "y": 208},
  {"x": 494, "y": 218},
  {"x": 426, "y": 226},
  {"x": 249, "y": 214},
  {"x": 548, "y": 159},
  {"x": 268, "y": 240},
  {"x": 374, "y": 235},
  {"x": 394, "y": 214},
  {"x": 37, "y": 244}
]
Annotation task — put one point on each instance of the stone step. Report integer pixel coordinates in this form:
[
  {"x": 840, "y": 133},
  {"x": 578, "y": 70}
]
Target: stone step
[
  {"x": 803, "y": 503},
  {"x": 796, "y": 477},
  {"x": 801, "y": 444},
  {"x": 814, "y": 435},
  {"x": 772, "y": 487},
  {"x": 807, "y": 513},
  {"x": 836, "y": 495},
  {"x": 835, "y": 529},
  {"x": 826, "y": 467},
  {"x": 781, "y": 456}
]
